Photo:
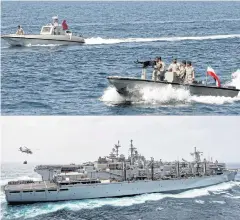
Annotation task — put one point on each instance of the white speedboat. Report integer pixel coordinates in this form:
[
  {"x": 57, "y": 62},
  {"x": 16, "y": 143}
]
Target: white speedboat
[{"x": 49, "y": 34}]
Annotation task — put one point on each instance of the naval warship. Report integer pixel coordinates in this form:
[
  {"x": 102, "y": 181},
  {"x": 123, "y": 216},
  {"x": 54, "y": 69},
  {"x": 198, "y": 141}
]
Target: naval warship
[{"x": 115, "y": 176}]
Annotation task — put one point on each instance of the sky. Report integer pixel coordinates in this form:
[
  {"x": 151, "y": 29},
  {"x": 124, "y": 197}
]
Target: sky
[{"x": 79, "y": 139}]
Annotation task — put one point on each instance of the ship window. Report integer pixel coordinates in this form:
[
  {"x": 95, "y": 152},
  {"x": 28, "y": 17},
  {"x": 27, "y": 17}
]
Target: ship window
[
  {"x": 50, "y": 190},
  {"x": 40, "y": 190},
  {"x": 63, "y": 189},
  {"x": 27, "y": 191},
  {"x": 46, "y": 29},
  {"x": 14, "y": 191}
]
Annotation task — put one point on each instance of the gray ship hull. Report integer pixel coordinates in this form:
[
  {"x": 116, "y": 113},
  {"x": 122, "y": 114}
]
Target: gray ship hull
[
  {"x": 46, "y": 191},
  {"x": 132, "y": 86},
  {"x": 26, "y": 40}
]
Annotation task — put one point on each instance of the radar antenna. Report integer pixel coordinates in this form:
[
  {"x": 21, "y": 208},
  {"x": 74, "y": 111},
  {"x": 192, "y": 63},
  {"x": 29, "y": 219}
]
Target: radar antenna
[
  {"x": 132, "y": 149},
  {"x": 197, "y": 155},
  {"x": 117, "y": 146}
]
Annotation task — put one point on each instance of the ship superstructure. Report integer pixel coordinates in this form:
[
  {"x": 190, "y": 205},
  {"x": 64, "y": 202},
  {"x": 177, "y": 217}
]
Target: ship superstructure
[
  {"x": 117, "y": 175},
  {"x": 114, "y": 165}
]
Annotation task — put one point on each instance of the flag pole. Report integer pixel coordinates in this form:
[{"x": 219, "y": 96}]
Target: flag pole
[{"x": 206, "y": 78}]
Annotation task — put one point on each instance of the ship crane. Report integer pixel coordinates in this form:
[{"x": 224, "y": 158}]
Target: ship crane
[{"x": 184, "y": 163}]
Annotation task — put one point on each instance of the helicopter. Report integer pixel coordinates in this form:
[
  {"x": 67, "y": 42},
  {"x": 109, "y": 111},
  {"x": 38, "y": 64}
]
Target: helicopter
[{"x": 25, "y": 150}]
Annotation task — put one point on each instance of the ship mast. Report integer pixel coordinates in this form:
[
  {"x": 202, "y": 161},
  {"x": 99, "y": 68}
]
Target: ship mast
[
  {"x": 197, "y": 157},
  {"x": 117, "y": 146},
  {"x": 152, "y": 168},
  {"x": 131, "y": 152}
]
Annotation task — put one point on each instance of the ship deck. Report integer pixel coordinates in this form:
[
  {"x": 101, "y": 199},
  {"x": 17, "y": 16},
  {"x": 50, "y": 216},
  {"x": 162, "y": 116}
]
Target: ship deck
[{"x": 43, "y": 185}]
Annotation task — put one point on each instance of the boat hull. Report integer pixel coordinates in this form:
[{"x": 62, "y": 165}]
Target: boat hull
[
  {"x": 130, "y": 86},
  {"x": 28, "y": 40},
  {"x": 117, "y": 189}
]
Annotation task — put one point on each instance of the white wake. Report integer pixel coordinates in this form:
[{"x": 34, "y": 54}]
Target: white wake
[
  {"x": 43, "y": 45},
  {"x": 99, "y": 40}
]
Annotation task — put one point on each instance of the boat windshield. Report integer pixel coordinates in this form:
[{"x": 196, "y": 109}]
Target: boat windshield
[{"x": 46, "y": 30}]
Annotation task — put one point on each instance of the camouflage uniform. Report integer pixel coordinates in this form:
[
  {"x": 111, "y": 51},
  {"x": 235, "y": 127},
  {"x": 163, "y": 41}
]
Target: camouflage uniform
[{"x": 189, "y": 75}]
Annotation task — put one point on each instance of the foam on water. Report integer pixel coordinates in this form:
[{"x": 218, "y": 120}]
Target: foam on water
[
  {"x": 164, "y": 95},
  {"x": 148, "y": 96},
  {"x": 199, "y": 201},
  {"x": 235, "y": 79},
  {"x": 219, "y": 202},
  {"x": 99, "y": 40},
  {"x": 43, "y": 45},
  {"x": 45, "y": 208},
  {"x": 168, "y": 95},
  {"x": 219, "y": 100},
  {"x": 111, "y": 96},
  {"x": 159, "y": 209}
]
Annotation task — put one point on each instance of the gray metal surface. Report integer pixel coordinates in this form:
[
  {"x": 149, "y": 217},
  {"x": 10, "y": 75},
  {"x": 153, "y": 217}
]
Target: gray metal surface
[{"x": 132, "y": 86}]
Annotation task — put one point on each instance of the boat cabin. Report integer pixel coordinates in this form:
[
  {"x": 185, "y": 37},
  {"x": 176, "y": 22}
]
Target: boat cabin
[{"x": 49, "y": 29}]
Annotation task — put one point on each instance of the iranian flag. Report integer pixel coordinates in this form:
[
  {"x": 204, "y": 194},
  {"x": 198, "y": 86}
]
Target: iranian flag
[{"x": 211, "y": 72}]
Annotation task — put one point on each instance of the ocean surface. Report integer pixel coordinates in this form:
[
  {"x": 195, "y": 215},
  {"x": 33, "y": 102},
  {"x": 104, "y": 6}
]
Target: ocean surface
[
  {"x": 220, "y": 202},
  {"x": 72, "y": 80}
]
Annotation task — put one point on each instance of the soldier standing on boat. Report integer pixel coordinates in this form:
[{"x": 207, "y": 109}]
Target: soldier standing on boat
[
  {"x": 20, "y": 30},
  {"x": 174, "y": 67},
  {"x": 55, "y": 23},
  {"x": 182, "y": 71},
  {"x": 159, "y": 70},
  {"x": 190, "y": 75}
]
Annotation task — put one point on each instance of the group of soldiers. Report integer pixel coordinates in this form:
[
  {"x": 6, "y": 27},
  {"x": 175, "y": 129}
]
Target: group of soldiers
[{"x": 183, "y": 71}]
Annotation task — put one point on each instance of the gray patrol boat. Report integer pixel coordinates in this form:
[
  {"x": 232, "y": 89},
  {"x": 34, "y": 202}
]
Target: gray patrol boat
[
  {"x": 132, "y": 86},
  {"x": 115, "y": 176}
]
